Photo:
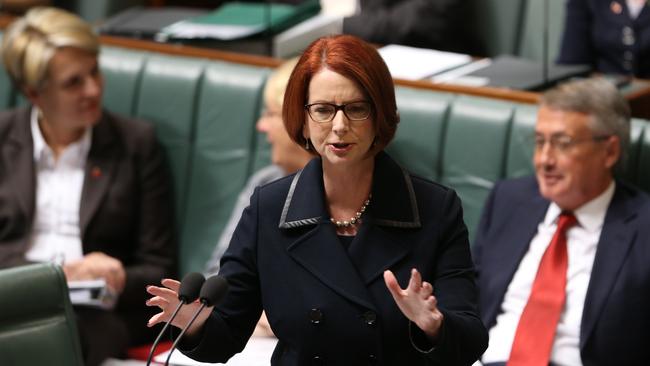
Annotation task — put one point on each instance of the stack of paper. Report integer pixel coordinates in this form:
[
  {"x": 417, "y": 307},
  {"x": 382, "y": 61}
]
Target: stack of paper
[
  {"x": 237, "y": 20},
  {"x": 91, "y": 293},
  {"x": 257, "y": 352},
  {"x": 412, "y": 63}
]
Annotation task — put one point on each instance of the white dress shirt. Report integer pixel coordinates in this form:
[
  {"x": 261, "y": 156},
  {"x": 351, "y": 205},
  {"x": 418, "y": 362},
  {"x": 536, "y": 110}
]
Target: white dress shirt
[
  {"x": 635, "y": 7},
  {"x": 55, "y": 233},
  {"x": 582, "y": 241}
]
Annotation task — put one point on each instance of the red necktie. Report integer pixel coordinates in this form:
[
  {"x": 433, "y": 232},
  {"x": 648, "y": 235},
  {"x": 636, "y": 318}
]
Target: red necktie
[{"x": 536, "y": 329}]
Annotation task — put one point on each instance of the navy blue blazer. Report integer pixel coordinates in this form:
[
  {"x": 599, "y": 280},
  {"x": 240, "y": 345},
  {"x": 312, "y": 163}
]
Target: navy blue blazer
[
  {"x": 611, "y": 42},
  {"x": 615, "y": 319},
  {"x": 328, "y": 305}
]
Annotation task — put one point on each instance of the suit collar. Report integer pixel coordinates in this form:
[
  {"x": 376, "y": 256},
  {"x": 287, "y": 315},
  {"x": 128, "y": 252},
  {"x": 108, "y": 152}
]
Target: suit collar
[
  {"x": 615, "y": 242},
  {"x": 18, "y": 158},
  {"x": 505, "y": 254},
  {"x": 376, "y": 246},
  {"x": 100, "y": 168},
  {"x": 393, "y": 204}
]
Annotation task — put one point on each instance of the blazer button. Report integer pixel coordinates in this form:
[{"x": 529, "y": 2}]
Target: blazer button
[
  {"x": 628, "y": 38},
  {"x": 372, "y": 360},
  {"x": 317, "y": 361},
  {"x": 369, "y": 317},
  {"x": 315, "y": 316}
]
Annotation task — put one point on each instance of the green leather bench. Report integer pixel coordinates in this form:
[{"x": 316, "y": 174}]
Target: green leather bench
[
  {"x": 205, "y": 113},
  {"x": 37, "y": 325}
]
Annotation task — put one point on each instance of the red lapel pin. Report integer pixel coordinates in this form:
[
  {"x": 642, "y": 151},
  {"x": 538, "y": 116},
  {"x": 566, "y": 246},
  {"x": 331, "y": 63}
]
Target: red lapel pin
[
  {"x": 96, "y": 172},
  {"x": 616, "y": 7}
]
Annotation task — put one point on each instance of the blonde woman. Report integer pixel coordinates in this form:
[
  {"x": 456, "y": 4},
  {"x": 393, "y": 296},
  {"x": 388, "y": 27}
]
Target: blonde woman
[{"x": 79, "y": 185}]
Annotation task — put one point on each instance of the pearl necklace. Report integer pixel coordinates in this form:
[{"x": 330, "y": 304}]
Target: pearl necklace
[{"x": 353, "y": 220}]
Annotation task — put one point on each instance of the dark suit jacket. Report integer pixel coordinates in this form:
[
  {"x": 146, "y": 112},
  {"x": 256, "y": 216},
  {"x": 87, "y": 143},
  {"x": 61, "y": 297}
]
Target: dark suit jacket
[
  {"x": 125, "y": 211},
  {"x": 437, "y": 24},
  {"x": 594, "y": 35},
  {"x": 615, "y": 321},
  {"x": 328, "y": 303}
]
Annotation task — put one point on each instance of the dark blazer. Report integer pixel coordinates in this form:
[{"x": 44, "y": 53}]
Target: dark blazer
[
  {"x": 615, "y": 321},
  {"x": 125, "y": 208},
  {"x": 437, "y": 24},
  {"x": 330, "y": 305},
  {"x": 611, "y": 42}
]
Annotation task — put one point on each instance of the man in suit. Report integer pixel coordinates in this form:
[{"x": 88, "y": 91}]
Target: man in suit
[
  {"x": 78, "y": 185},
  {"x": 613, "y": 36},
  {"x": 562, "y": 257}
]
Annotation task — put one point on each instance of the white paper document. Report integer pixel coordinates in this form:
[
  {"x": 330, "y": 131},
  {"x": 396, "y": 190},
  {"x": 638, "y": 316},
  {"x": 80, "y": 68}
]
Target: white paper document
[
  {"x": 257, "y": 352},
  {"x": 91, "y": 293},
  {"x": 412, "y": 63}
]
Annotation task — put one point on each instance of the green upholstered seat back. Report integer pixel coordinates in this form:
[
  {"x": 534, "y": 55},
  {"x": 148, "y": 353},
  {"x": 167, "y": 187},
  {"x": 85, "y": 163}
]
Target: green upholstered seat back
[
  {"x": 475, "y": 146},
  {"x": 531, "y": 42},
  {"x": 642, "y": 178},
  {"x": 498, "y": 24},
  {"x": 419, "y": 139},
  {"x": 228, "y": 106},
  {"x": 121, "y": 70},
  {"x": 519, "y": 161},
  {"x": 262, "y": 153},
  {"x": 168, "y": 95},
  {"x": 6, "y": 90},
  {"x": 37, "y": 325}
]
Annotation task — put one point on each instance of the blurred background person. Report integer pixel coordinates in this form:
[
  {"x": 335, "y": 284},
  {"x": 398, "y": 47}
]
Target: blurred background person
[
  {"x": 79, "y": 185},
  {"x": 325, "y": 251},
  {"x": 562, "y": 256},
  {"x": 286, "y": 157},
  {"x": 613, "y": 36}
]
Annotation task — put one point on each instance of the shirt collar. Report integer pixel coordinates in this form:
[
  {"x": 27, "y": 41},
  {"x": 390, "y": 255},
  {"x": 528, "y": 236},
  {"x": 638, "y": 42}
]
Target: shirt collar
[
  {"x": 42, "y": 149},
  {"x": 393, "y": 197},
  {"x": 590, "y": 215}
]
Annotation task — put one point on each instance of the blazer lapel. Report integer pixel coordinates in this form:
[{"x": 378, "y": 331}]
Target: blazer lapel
[
  {"x": 394, "y": 204},
  {"x": 613, "y": 246},
  {"x": 100, "y": 166},
  {"x": 504, "y": 256},
  {"x": 374, "y": 249},
  {"x": 320, "y": 252},
  {"x": 18, "y": 156}
]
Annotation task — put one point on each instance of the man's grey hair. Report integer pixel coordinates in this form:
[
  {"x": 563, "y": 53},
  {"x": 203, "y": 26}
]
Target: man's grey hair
[{"x": 599, "y": 98}]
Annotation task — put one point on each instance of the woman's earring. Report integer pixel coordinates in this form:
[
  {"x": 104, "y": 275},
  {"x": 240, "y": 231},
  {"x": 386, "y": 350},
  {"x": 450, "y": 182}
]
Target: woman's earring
[{"x": 307, "y": 144}]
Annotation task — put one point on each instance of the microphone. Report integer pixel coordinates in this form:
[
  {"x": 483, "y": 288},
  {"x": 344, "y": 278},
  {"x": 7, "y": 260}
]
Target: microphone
[
  {"x": 212, "y": 291},
  {"x": 189, "y": 291}
]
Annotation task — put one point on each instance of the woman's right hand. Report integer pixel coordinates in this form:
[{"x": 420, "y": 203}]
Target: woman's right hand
[{"x": 166, "y": 298}]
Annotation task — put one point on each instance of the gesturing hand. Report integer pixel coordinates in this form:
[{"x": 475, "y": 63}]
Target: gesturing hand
[
  {"x": 416, "y": 302},
  {"x": 166, "y": 298}
]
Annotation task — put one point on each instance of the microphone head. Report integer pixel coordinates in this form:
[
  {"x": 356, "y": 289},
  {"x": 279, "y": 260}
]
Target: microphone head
[
  {"x": 190, "y": 287},
  {"x": 213, "y": 290}
]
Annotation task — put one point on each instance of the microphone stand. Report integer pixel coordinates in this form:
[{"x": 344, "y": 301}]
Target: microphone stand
[
  {"x": 178, "y": 339},
  {"x": 155, "y": 343}
]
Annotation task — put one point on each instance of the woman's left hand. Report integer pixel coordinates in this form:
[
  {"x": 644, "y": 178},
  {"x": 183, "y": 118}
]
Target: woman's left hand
[{"x": 417, "y": 302}]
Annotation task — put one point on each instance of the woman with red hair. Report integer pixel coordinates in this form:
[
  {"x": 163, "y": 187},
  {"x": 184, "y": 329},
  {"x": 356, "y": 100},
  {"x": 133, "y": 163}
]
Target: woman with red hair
[{"x": 345, "y": 254}]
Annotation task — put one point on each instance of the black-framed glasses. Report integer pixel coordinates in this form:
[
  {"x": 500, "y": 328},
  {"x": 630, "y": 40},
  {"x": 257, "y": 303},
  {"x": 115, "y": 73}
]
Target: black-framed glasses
[
  {"x": 563, "y": 143},
  {"x": 325, "y": 112}
]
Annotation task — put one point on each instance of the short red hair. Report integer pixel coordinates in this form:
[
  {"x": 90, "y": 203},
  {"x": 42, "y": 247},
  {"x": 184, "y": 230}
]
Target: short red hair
[{"x": 356, "y": 60}]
